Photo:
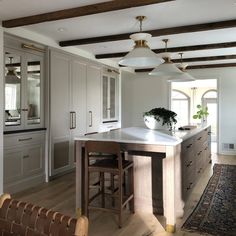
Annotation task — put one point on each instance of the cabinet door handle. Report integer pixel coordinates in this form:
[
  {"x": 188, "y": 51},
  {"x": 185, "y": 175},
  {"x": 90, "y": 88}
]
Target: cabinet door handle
[
  {"x": 24, "y": 109},
  {"x": 199, "y": 138},
  {"x": 24, "y": 139},
  {"x": 26, "y": 156},
  {"x": 71, "y": 120},
  {"x": 91, "y": 118}
]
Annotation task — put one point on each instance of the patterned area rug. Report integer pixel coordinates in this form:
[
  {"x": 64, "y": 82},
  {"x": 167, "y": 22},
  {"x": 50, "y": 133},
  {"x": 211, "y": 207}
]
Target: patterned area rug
[{"x": 215, "y": 213}]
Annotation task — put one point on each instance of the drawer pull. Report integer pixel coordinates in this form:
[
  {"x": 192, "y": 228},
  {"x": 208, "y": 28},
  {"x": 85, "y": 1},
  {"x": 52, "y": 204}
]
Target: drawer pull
[
  {"x": 26, "y": 156},
  {"x": 199, "y": 138},
  {"x": 189, "y": 145},
  {"x": 199, "y": 153},
  {"x": 24, "y": 139},
  {"x": 189, "y": 164},
  {"x": 190, "y": 186},
  {"x": 206, "y": 148},
  {"x": 200, "y": 170}
]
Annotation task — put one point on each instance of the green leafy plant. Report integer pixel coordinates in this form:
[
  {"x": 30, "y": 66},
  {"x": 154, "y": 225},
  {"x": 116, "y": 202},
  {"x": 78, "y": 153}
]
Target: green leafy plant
[
  {"x": 202, "y": 113},
  {"x": 160, "y": 113}
]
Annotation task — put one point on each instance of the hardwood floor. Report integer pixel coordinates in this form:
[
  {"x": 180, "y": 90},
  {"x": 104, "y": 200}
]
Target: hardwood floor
[{"x": 59, "y": 195}]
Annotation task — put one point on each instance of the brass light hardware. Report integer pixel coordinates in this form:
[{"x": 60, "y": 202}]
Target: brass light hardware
[
  {"x": 111, "y": 70},
  {"x": 32, "y": 47}
]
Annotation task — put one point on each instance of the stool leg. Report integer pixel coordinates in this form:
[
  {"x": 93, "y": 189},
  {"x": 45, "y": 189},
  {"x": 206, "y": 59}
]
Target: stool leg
[
  {"x": 131, "y": 177},
  {"x": 86, "y": 198},
  {"x": 102, "y": 185},
  {"x": 120, "y": 199},
  {"x": 112, "y": 179}
]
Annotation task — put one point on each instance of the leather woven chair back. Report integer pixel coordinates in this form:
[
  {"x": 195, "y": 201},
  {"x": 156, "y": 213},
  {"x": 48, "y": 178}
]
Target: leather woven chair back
[{"x": 24, "y": 219}]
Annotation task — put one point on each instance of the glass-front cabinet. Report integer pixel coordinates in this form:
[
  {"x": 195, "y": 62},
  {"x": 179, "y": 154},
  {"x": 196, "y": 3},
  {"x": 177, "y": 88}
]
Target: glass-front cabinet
[
  {"x": 23, "y": 89},
  {"x": 110, "y": 106}
]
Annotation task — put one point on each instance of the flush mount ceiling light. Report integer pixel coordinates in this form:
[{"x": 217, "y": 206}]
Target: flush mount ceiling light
[
  {"x": 184, "y": 77},
  {"x": 141, "y": 56},
  {"x": 167, "y": 69},
  {"x": 11, "y": 77}
]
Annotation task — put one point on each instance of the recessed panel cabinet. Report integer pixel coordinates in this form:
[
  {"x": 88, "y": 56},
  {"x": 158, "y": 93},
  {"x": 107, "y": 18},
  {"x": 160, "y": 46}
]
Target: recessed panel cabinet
[
  {"x": 24, "y": 162},
  {"x": 195, "y": 156},
  {"x": 110, "y": 97},
  {"x": 75, "y": 97}
]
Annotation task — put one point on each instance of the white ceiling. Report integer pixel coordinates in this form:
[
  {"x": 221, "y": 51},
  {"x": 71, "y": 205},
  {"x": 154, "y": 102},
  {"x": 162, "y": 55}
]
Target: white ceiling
[{"x": 164, "y": 15}]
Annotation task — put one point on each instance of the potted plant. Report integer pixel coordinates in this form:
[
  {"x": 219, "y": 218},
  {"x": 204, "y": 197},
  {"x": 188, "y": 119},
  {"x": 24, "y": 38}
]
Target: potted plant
[
  {"x": 202, "y": 113},
  {"x": 159, "y": 118}
]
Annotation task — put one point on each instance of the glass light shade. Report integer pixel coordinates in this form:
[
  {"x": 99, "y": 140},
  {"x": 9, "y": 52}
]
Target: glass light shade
[
  {"x": 11, "y": 77},
  {"x": 184, "y": 77},
  {"x": 141, "y": 56},
  {"x": 167, "y": 70}
]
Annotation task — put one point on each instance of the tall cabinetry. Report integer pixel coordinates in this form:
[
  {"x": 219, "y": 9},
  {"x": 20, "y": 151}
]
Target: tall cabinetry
[{"x": 74, "y": 105}]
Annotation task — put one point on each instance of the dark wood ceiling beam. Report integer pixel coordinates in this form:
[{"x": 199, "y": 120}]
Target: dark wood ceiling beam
[
  {"x": 79, "y": 11},
  {"x": 174, "y": 49},
  {"x": 154, "y": 33},
  {"x": 146, "y": 70},
  {"x": 210, "y": 58}
]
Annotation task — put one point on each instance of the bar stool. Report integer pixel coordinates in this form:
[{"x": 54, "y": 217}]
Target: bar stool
[{"x": 116, "y": 167}]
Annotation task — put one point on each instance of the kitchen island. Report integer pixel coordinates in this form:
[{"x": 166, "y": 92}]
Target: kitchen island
[{"x": 145, "y": 145}]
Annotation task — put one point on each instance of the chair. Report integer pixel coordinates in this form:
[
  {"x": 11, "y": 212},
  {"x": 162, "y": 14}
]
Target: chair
[
  {"x": 25, "y": 219},
  {"x": 115, "y": 167}
]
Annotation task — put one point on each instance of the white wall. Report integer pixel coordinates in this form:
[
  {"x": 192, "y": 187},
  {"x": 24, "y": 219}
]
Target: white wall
[
  {"x": 140, "y": 93},
  {"x": 227, "y": 98},
  {"x": 1, "y": 109}
]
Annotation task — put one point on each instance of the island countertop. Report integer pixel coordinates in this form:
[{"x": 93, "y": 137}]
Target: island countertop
[{"x": 143, "y": 135}]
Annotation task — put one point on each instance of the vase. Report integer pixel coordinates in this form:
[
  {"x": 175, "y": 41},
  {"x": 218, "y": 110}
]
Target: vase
[{"x": 152, "y": 123}]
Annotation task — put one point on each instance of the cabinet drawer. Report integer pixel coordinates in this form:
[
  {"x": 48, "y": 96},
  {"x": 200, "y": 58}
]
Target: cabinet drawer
[
  {"x": 187, "y": 145},
  {"x": 22, "y": 139}
]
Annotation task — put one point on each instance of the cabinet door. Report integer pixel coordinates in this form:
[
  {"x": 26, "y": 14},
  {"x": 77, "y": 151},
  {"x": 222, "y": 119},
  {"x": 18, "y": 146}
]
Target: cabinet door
[
  {"x": 13, "y": 89},
  {"x": 34, "y": 95},
  {"x": 60, "y": 112},
  {"x": 13, "y": 165},
  {"x": 110, "y": 106},
  {"x": 93, "y": 98},
  {"x": 33, "y": 162},
  {"x": 78, "y": 99},
  {"x": 78, "y": 102},
  {"x": 105, "y": 99}
]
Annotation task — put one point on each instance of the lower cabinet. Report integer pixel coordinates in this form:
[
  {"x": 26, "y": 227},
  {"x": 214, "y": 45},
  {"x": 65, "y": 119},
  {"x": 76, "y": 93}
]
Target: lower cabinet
[
  {"x": 24, "y": 161},
  {"x": 195, "y": 155}
]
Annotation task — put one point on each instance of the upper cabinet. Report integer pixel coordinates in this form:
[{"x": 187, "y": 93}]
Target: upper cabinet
[
  {"x": 24, "y": 78},
  {"x": 110, "y": 96}
]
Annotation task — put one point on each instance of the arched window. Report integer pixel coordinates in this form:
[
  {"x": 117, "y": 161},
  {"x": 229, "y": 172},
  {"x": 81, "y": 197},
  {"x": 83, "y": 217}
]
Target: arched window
[
  {"x": 181, "y": 106},
  {"x": 209, "y": 100}
]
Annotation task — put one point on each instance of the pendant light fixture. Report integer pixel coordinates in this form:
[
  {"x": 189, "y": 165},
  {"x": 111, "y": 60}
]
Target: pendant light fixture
[
  {"x": 11, "y": 77},
  {"x": 168, "y": 68},
  {"x": 141, "y": 56},
  {"x": 184, "y": 77}
]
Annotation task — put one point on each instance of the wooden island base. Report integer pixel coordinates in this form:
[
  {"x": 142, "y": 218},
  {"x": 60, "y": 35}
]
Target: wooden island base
[{"x": 160, "y": 174}]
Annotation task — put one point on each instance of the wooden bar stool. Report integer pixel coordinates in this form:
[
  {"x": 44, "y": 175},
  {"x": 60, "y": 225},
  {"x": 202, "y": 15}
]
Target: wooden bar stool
[{"x": 116, "y": 166}]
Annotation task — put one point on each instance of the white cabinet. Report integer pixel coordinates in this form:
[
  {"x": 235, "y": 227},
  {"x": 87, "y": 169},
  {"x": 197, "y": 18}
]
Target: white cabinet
[
  {"x": 24, "y": 162},
  {"x": 24, "y": 81},
  {"x": 110, "y": 97},
  {"x": 74, "y": 105}
]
